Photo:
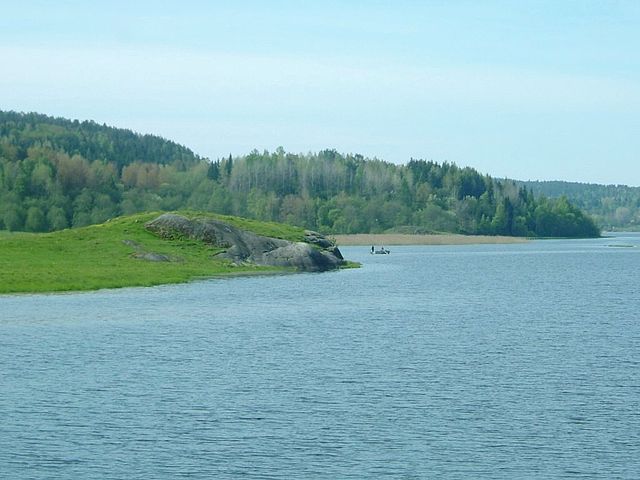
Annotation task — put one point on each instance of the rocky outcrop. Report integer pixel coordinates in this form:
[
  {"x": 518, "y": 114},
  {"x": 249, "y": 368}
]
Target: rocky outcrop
[
  {"x": 141, "y": 254},
  {"x": 315, "y": 254}
]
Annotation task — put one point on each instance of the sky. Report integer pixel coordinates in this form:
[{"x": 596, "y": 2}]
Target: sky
[{"x": 523, "y": 89}]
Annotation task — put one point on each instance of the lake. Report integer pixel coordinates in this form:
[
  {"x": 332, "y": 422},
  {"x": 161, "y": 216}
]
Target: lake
[{"x": 488, "y": 361}]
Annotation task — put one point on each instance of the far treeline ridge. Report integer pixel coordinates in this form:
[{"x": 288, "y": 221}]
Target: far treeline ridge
[{"x": 57, "y": 173}]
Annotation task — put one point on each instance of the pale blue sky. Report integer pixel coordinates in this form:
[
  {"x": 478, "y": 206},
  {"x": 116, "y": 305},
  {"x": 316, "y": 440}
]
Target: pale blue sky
[{"x": 524, "y": 89}]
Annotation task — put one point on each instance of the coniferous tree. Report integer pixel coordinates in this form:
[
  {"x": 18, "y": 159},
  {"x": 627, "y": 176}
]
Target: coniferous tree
[{"x": 56, "y": 173}]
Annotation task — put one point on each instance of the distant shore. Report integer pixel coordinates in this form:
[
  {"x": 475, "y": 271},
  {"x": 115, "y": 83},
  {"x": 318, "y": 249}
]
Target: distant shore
[{"x": 405, "y": 239}]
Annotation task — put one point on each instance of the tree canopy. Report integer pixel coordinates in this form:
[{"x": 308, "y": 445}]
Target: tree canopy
[
  {"x": 614, "y": 207},
  {"x": 57, "y": 173}
]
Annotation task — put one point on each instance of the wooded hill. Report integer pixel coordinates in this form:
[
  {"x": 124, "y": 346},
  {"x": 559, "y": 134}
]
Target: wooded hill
[
  {"x": 613, "y": 207},
  {"x": 57, "y": 173}
]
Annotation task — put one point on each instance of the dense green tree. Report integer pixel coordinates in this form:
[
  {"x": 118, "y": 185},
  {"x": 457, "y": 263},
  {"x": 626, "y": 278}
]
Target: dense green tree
[
  {"x": 56, "y": 173},
  {"x": 57, "y": 219},
  {"x": 35, "y": 220},
  {"x": 13, "y": 217},
  {"x": 611, "y": 206}
]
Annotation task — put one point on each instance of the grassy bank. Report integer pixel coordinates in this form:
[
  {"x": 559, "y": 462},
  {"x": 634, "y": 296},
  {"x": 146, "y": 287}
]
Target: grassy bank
[
  {"x": 109, "y": 256},
  {"x": 388, "y": 239}
]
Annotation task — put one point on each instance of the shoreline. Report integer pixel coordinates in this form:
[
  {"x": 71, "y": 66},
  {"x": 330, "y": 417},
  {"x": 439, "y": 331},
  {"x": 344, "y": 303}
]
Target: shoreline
[
  {"x": 123, "y": 252},
  {"x": 389, "y": 239}
]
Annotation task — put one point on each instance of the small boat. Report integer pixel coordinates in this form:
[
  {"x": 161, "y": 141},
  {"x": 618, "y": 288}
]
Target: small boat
[{"x": 382, "y": 251}]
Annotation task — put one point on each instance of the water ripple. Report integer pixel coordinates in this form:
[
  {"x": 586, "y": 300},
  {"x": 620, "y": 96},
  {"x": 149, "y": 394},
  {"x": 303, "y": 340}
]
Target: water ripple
[{"x": 513, "y": 361}]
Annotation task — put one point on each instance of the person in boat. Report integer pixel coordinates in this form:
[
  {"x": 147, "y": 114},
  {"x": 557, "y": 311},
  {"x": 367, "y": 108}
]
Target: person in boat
[{"x": 372, "y": 249}]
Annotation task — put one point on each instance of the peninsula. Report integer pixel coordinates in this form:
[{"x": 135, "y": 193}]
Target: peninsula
[{"x": 158, "y": 248}]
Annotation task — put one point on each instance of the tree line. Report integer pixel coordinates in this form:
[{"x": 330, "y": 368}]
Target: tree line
[
  {"x": 613, "y": 207},
  {"x": 57, "y": 173}
]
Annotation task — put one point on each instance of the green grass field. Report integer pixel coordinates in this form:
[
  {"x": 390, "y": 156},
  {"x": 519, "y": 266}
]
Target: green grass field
[{"x": 103, "y": 256}]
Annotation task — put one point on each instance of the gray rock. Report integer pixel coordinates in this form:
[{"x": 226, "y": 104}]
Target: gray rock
[
  {"x": 317, "y": 239},
  {"x": 141, "y": 254},
  {"x": 152, "y": 257},
  {"x": 302, "y": 256},
  {"x": 316, "y": 254}
]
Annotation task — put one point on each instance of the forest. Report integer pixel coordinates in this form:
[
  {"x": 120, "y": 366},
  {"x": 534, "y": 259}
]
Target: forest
[
  {"x": 57, "y": 173},
  {"x": 613, "y": 207}
]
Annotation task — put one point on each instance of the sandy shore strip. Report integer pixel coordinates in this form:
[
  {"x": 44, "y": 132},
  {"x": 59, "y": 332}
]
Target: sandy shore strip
[{"x": 388, "y": 239}]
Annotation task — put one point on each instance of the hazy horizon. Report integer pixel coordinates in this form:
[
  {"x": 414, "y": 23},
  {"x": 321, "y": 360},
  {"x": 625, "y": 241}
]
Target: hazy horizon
[{"x": 536, "y": 91}]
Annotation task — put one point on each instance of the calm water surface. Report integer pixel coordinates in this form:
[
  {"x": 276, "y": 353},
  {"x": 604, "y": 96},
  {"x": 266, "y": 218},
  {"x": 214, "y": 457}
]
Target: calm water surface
[{"x": 495, "y": 361}]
